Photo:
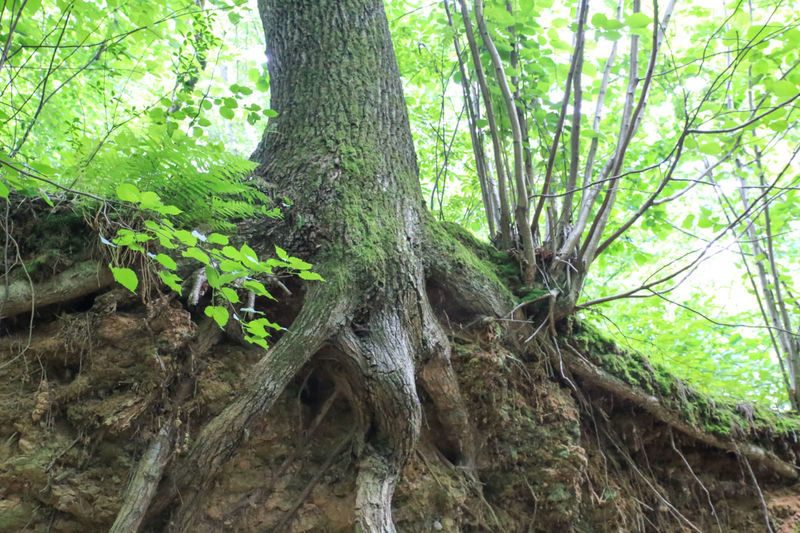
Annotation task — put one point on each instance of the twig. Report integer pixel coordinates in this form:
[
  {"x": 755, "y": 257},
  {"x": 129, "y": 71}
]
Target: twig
[{"x": 758, "y": 489}]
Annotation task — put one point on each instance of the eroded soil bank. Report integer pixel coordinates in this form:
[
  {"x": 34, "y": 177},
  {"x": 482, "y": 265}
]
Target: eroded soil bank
[{"x": 572, "y": 435}]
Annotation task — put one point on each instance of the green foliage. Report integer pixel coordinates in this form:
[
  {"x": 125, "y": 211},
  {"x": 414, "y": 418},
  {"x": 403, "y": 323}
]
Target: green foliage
[
  {"x": 119, "y": 103},
  {"x": 228, "y": 270},
  {"x": 204, "y": 182},
  {"x": 138, "y": 100}
]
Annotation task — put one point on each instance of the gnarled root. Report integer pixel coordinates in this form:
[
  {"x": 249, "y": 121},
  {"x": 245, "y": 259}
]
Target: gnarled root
[
  {"x": 216, "y": 443},
  {"x": 144, "y": 483},
  {"x": 439, "y": 380},
  {"x": 384, "y": 359},
  {"x": 76, "y": 282}
]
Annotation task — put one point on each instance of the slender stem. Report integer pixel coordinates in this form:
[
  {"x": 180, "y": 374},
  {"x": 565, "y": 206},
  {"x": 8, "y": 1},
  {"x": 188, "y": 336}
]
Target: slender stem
[
  {"x": 505, "y": 239},
  {"x": 577, "y": 56},
  {"x": 521, "y": 210}
]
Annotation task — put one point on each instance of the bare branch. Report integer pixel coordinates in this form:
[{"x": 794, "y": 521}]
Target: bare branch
[
  {"x": 577, "y": 57},
  {"x": 588, "y": 199}
]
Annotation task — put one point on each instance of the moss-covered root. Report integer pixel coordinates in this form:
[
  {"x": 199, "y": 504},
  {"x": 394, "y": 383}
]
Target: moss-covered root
[
  {"x": 470, "y": 281},
  {"x": 590, "y": 373},
  {"x": 322, "y": 315},
  {"x": 81, "y": 280},
  {"x": 438, "y": 379}
]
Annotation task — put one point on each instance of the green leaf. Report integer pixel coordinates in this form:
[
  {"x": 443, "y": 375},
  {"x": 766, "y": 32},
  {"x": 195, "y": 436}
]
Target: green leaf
[
  {"x": 229, "y": 294},
  {"x": 637, "y": 20},
  {"x": 125, "y": 277},
  {"x": 257, "y": 288},
  {"x": 258, "y": 327},
  {"x": 599, "y": 20},
  {"x": 310, "y": 276},
  {"x": 249, "y": 255},
  {"x": 212, "y": 276},
  {"x": 128, "y": 192},
  {"x": 168, "y": 210},
  {"x": 32, "y": 6},
  {"x": 281, "y": 253},
  {"x": 218, "y": 313},
  {"x": 198, "y": 254},
  {"x": 711, "y": 148},
  {"x": 166, "y": 261},
  {"x": 231, "y": 252},
  {"x": 785, "y": 89},
  {"x": 298, "y": 264},
  {"x": 149, "y": 200},
  {"x": 257, "y": 340},
  {"x": 226, "y": 265},
  {"x": 216, "y": 238},
  {"x": 171, "y": 280},
  {"x": 186, "y": 237},
  {"x": 3, "y": 190}
]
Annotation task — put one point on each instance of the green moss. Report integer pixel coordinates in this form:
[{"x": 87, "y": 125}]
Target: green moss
[
  {"x": 532, "y": 294},
  {"x": 14, "y": 516},
  {"x": 502, "y": 264},
  {"x": 470, "y": 258},
  {"x": 721, "y": 416}
]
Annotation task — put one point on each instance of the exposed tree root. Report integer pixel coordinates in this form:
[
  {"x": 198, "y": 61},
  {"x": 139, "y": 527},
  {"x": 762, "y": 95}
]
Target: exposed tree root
[
  {"x": 76, "y": 282},
  {"x": 320, "y": 317},
  {"x": 144, "y": 483},
  {"x": 439, "y": 380},
  {"x": 597, "y": 377},
  {"x": 385, "y": 365},
  {"x": 451, "y": 265}
]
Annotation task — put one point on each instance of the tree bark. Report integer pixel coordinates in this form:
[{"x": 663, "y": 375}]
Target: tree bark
[{"x": 341, "y": 151}]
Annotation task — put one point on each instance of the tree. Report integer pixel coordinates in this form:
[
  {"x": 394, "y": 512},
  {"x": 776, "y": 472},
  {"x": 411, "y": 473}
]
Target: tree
[
  {"x": 345, "y": 136},
  {"x": 340, "y": 151}
]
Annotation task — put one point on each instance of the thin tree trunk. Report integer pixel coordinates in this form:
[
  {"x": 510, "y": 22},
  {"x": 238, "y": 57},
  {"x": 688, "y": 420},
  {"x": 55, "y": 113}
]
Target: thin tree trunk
[
  {"x": 477, "y": 144},
  {"x": 505, "y": 239},
  {"x": 521, "y": 210}
]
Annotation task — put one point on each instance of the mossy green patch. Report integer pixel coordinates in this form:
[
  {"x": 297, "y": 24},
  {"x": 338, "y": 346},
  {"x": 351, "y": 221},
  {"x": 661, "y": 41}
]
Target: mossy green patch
[
  {"x": 718, "y": 415},
  {"x": 14, "y": 515},
  {"x": 502, "y": 264}
]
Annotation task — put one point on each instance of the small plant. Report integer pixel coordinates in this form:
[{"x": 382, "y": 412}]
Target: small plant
[{"x": 228, "y": 270}]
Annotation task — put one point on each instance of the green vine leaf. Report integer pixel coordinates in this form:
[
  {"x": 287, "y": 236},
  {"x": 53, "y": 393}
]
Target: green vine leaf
[
  {"x": 125, "y": 277},
  {"x": 218, "y": 313}
]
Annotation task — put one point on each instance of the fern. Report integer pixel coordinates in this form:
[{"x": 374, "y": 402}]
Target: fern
[{"x": 207, "y": 183}]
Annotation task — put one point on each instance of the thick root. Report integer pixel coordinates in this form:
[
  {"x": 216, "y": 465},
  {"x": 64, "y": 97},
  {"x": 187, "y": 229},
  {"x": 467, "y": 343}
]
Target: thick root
[
  {"x": 469, "y": 283},
  {"x": 384, "y": 359},
  {"x": 590, "y": 373},
  {"x": 217, "y": 442},
  {"x": 80, "y": 280},
  {"x": 439, "y": 380},
  {"x": 377, "y": 477}
]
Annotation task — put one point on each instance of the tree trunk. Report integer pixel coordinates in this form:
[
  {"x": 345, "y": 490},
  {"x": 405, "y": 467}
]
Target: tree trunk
[
  {"x": 341, "y": 151},
  {"x": 528, "y": 428}
]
